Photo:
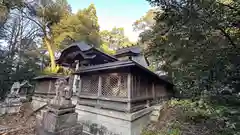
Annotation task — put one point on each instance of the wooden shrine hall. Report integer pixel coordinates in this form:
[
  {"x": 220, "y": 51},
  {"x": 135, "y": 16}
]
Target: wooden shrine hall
[{"x": 121, "y": 84}]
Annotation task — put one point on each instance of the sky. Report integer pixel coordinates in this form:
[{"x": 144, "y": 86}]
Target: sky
[{"x": 115, "y": 13}]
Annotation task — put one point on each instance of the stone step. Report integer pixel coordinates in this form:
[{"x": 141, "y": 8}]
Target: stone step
[
  {"x": 155, "y": 113},
  {"x": 157, "y": 108},
  {"x": 154, "y": 118}
]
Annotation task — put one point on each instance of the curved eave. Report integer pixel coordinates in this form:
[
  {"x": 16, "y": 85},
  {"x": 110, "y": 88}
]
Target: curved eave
[
  {"x": 111, "y": 58},
  {"x": 81, "y": 45},
  {"x": 49, "y": 77},
  {"x": 132, "y": 49},
  {"x": 129, "y": 53},
  {"x": 83, "y": 53}
]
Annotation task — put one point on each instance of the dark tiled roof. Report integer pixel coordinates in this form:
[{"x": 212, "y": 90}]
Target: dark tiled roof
[
  {"x": 133, "y": 50},
  {"x": 166, "y": 78},
  {"x": 81, "y": 45},
  {"x": 49, "y": 77},
  {"x": 83, "y": 51}
]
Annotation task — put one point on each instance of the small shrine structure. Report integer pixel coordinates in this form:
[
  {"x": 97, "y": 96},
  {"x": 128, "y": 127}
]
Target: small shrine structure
[
  {"x": 114, "y": 93},
  {"x": 18, "y": 94}
]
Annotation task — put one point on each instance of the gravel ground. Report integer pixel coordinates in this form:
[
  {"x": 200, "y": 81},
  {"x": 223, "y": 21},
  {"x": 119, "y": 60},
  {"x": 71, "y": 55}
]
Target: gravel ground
[{"x": 22, "y": 123}]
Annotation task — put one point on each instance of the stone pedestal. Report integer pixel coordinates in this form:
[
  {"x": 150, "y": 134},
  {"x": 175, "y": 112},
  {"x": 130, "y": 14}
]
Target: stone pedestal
[
  {"x": 11, "y": 104},
  {"x": 60, "y": 121},
  {"x": 60, "y": 117},
  {"x": 100, "y": 121},
  {"x": 13, "y": 99}
]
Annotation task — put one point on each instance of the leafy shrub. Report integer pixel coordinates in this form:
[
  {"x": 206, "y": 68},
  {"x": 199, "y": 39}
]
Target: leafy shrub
[
  {"x": 106, "y": 49},
  {"x": 57, "y": 70},
  {"x": 199, "y": 116},
  {"x": 150, "y": 133},
  {"x": 170, "y": 131},
  {"x": 48, "y": 70},
  {"x": 201, "y": 111},
  {"x": 194, "y": 111}
]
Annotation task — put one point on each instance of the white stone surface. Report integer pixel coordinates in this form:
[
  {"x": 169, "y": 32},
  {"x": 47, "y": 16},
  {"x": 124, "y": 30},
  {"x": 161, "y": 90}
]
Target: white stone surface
[
  {"x": 9, "y": 109},
  {"x": 156, "y": 112},
  {"x": 115, "y": 114},
  {"x": 115, "y": 122},
  {"x": 38, "y": 102}
]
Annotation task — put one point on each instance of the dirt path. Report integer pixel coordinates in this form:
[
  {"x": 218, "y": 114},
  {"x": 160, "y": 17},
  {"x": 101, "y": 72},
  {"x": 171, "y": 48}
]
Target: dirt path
[{"x": 18, "y": 123}]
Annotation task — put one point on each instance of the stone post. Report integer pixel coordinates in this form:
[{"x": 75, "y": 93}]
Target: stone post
[{"x": 60, "y": 117}]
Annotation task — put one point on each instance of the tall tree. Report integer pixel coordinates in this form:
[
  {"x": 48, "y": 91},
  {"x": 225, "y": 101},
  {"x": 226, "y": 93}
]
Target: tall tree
[
  {"x": 46, "y": 13},
  {"x": 6, "y": 6},
  {"x": 82, "y": 26},
  {"x": 17, "y": 31},
  {"x": 199, "y": 42},
  {"x": 115, "y": 38},
  {"x": 145, "y": 22},
  {"x": 18, "y": 55}
]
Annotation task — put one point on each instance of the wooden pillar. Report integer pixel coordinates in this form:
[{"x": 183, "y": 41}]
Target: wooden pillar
[
  {"x": 49, "y": 86},
  {"x": 153, "y": 90},
  {"x": 129, "y": 88},
  {"x": 147, "y": 89},
  {"x": 80, "y": 86},
  {"x": 99, "y": 86},
  {"x": 153, "y": 93},
  {"x": 75, "y": 77},
  {"x": 99, "y": 91}
]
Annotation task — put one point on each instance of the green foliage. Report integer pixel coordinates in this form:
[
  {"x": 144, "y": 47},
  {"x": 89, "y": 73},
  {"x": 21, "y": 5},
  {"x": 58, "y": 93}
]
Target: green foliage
[
  {"x": 48, "y": 70},
  {"x": 197, "y": 111},
  {"x": 200, "y": 111},
  {"x": 12, "y": 71},
  {"x": 172, "y": 129},
  {"x": 146, "y": 21},
  {"x": 82, "y": 26},
  {"x": 198, "y": 42},
  {"x": 57, "y": 70},
  {"x": 115, "y": 38},
  {"x": 152, "y": 68},
  {"x": 45, "y": 14},
  {"x": 50, "y": 12},
  {"x": 150, "y": 133},
  {"x": 104, "y": 47}
]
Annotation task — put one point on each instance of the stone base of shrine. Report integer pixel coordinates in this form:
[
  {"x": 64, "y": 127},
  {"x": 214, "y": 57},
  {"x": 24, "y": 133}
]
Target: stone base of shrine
[
  {"x": 7, "y": 109},
  {"x": 38, "y": 102},
  {"x": 59, "y": 120},
  {"x": 64, "y": 124},
  {"x": 97, "y": 121},
  {"x": 104, "y": 122}
]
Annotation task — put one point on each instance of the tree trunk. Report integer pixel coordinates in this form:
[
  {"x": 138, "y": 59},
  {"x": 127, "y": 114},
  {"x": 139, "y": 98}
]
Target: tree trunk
[{"x": 51, "y": 54}]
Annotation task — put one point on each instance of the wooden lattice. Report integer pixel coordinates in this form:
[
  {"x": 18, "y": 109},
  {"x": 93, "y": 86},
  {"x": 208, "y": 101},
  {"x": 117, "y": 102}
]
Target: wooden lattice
[
  {"x": 159, "y": 90},
  {"x": 141, "y": 87},
  {"x": 114, "y": 85},
  {"x": 149, "y": 88},
  {"x": 89, "y": 85}
]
